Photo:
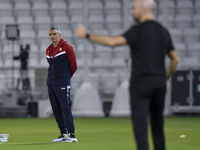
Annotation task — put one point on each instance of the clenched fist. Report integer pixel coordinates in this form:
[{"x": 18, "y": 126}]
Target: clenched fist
[{"x": 81, "y": 31}]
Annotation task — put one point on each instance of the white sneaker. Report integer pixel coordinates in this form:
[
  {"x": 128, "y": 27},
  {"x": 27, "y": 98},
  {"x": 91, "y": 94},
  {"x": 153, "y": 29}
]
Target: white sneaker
[
  {"x": 62, "y": 138},
  {"x": 72, "y": 138}
]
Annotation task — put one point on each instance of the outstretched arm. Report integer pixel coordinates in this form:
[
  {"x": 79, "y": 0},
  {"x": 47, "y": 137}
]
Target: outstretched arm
[{"x": 100, "y": 39}]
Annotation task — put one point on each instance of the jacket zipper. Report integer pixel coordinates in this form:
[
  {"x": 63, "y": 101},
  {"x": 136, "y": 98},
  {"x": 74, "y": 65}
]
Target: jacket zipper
[{"x": 53, "y": 73}]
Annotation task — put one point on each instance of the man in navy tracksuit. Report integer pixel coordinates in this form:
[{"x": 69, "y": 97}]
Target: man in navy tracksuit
[{"x": 62, "y": 65}]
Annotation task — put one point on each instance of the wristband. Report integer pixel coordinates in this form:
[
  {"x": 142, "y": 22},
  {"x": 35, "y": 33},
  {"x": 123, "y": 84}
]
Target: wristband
[{"x": 87, "y": 36}]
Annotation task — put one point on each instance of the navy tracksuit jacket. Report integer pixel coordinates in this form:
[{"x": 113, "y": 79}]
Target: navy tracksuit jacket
[{"x": 62, "y": 65}]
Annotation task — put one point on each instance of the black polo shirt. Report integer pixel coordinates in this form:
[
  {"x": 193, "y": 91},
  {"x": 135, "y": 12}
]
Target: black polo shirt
[{"x": 149, "y": 42}]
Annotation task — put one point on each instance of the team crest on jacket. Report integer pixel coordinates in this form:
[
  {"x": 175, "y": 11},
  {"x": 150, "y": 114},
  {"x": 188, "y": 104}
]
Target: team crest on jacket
[{"x": 60, "y": 49}]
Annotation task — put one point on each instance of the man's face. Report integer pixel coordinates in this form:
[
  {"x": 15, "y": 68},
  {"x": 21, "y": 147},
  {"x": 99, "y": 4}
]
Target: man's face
[
  {"x": 54, "y": 35},
  {"x": 136, "y": 11}
]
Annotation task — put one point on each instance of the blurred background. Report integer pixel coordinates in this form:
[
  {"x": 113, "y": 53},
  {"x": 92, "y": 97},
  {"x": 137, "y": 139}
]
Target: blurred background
[{"x": 100, "y": 85}]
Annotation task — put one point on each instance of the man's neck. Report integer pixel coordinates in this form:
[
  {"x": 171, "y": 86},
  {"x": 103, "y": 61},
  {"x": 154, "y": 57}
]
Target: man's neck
[
  {"x": 56, "y": 44},
  {"x": 147, "y": 17}
]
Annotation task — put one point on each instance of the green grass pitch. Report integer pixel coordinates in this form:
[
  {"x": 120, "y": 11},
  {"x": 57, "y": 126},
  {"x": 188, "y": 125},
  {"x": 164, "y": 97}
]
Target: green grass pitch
[{"x": 95, "y": 134}]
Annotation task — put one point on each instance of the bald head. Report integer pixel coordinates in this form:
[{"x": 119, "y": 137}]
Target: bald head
[
  {"x": 150, "y": 5},
  {"x": 143, "y": 10}
]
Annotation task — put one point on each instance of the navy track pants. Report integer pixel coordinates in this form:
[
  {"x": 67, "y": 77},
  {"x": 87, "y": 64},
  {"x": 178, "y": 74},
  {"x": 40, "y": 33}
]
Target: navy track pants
[{"x": 61, "y": 105}]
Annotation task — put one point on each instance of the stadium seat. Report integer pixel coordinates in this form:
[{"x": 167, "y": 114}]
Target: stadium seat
[
  {"x": 40, "y": 8},
  {"x": 43, "y": 47},
  {"x": 11, "y": 77},
  {"x": 76, "y": 81},
  {"x": 103, "y": 52},
  {"x": 58, "y": 6},
  {"x": 120, "y": 51},
  {"x": 43, "y": 64},
  {"x": 34, "y": 48},
  {"x": 169, "y": 20},
  {"x": 170, "y": 7},
  {"x": 124, "y": 76},
  {"x": 196, "y": 21},
  {"x": 100, "y": 65},
  {"x": 100, "y": 31},
  {"x": 183, "y": 21},
  {"x": 42, "y": 22},
  {"x": 27, "y": 37},
  {"x": 9, "y": 63},
  {"x": 24, "y": 20},
  {"x": 113, "y": 8},
  {"x": 96, "y": 22},
  {"x": 33, "y": 63},
  {"x": 108, "y": 82},
  {"x": 189, "y": 62},
  {"x": 8, "y": 48},
  {"x": 22, "y": 8},
  {"x": 191, "y": 35},
  {"x": 113, "y": 22},
  {"x": 40, "y": 5},
  {"x": 62, "y": 26},
  {"x": 60, "y": 19},
  {"x": 118, "y": 64},
  {"x": 75, "y": 20},
  {"x": 95, "y": 8},
  {"x": 197, "y": 7},
  {"x": 181, "y": 49},
  {"x": 44, "y": 41},
  {"x": 176, "y": 34},
  {"x": 185, "y": 7},
  {"x": 27, "y": 34},
  {"x": 6, "y": 8},
  {"x": 67, "y": 35},
  {"x": 7, "y": 20},
  {"x": 80, "y": 51},
  {"x": 116, "y": 32},
  {"x": 78, "y": 41},
  {"x": 43, "y": 33},
  {"x": 42, "y": 53},
  {"x": 20, "y": 1},
  {"x": 81, "y": 63},
  {"x": 75, "y": 8},
  {"x": 2, "y": 81},
  {"x": 194, "y": 49},
  {"x": 56, "y": 1},
  {"x": 94, "y": 79}
]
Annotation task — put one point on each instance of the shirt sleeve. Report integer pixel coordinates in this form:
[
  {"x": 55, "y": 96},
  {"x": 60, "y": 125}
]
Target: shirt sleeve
[
  {"x": 72, "y": 59},
  {"x": 170, "y": 44},
  {"x": 130, "y": 35}
]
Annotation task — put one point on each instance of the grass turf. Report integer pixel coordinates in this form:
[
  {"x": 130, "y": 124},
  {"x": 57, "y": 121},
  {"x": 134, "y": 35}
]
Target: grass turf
[{"x": 95, "y": 134}]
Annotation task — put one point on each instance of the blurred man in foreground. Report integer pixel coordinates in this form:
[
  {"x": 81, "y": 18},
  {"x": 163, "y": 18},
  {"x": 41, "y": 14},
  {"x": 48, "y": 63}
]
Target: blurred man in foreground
[{"x": 149, "y": 42}]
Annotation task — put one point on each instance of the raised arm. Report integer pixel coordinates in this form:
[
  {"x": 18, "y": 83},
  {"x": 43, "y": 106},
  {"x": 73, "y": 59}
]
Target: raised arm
[{"x": 100, "y": 39}]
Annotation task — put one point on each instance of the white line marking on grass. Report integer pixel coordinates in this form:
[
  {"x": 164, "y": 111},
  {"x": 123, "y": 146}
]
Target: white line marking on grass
[
  {"x": 182, "y": 129},
  {"x": 178, "y": 141},
  {"x": 28, "y": 143},
  {"x": 90, "y": 130}
]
